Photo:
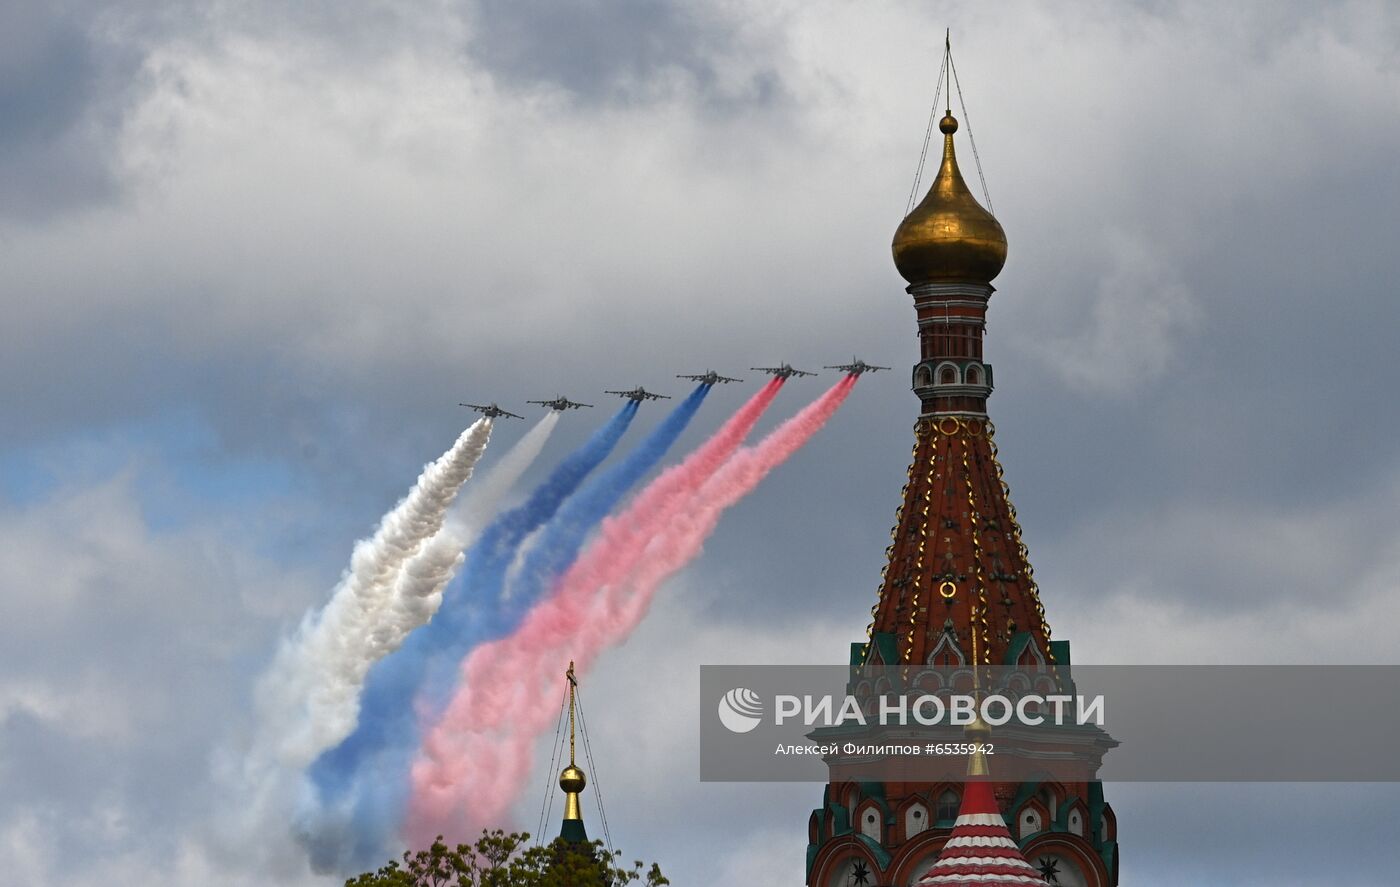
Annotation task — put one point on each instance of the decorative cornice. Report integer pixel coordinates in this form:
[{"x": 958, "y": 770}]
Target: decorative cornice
[
  {"x": 944, "y": 319},
  {"x": 981, "y": 291}
]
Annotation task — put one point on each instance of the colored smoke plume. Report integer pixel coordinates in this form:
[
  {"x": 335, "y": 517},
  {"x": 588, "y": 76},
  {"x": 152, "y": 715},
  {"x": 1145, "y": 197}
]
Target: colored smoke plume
[
  {"x": 419, "y": 587},
  {"x": 386, "y": 714},
  {"x": 477, "y": 757},
  {"x": 354, "y": 802},
  {"x": 360, "y": 784},
  {"x": 560, "y": 540},
  {"x": 623, "y": 538},
  {"x": 308, "y": 699}
]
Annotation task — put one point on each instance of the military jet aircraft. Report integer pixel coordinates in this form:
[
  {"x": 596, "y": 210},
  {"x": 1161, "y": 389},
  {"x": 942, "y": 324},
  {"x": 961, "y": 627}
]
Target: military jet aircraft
[
  {"x": 856, "y": 367},
  {"x": 709, "y": 377},
  {"x": 783, "y": 372},
  {"x": 490, "y": 411},
  {"x": 560, "y": 404},
  {"x": 639, "y": 394}
]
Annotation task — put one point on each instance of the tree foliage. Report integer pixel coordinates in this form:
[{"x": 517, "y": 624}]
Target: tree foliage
[{"x": 498, "y": 859}]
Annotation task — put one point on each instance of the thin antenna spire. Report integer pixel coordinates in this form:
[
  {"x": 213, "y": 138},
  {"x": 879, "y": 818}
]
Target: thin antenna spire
[
  {"x": 573, "y": 686},
  {"x": 947, "y": 61}
]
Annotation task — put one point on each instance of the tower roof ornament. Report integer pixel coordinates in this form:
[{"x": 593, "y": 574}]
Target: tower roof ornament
[
  {"x": 573, "y": 780},
  {"x": 949, "y": 236}
]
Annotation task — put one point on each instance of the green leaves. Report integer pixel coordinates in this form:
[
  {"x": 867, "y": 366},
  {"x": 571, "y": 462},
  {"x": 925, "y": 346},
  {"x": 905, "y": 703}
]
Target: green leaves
[{"x": 498, "y": 859}]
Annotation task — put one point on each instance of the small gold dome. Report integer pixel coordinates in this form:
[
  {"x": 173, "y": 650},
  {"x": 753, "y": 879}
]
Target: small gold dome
[
  {"x": 949, "y": 236},
  {"x": 572, "y": 780}
]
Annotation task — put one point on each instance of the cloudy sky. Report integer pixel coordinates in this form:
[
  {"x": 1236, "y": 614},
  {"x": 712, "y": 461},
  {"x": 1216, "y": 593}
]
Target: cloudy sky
[{"x": 253, "y": 255}]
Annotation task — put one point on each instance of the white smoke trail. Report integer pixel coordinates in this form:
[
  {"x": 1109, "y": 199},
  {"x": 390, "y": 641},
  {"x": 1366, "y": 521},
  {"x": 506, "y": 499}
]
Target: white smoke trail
[
  {"x": 418, "y": 590},
  {"x": 308, "y": 700}
]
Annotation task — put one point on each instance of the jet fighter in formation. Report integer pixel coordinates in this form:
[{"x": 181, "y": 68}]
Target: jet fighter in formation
[
  {"x": 639, "y": 394},
  {"x": 560, "y": 404},
  {"x": 782, "y": 372},
  {"x": 490, "y": 410},
  {"x": 709, "y": 377},
  {"x": 856, "y": 367}
]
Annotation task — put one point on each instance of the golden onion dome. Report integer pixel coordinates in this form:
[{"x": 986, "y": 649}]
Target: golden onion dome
[
  {"x": 572, "y": 780},
  {"x": 949, "y": 236}
]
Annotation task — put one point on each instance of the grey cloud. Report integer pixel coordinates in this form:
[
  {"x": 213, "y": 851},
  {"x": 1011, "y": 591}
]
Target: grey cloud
[
  {"x": 1233, "y": 834},
  {"x": 617, "y": 50},
  {"x": 62, "y": 92}
]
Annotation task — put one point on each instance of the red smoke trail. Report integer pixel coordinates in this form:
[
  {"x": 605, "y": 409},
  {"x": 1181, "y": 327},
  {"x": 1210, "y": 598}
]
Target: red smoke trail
[{"x": 476, "y": 759}]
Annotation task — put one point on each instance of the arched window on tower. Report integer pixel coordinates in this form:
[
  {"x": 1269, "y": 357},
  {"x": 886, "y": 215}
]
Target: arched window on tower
[
  {"x": 1075, "y": 822},
  {"x": 923, "y": 377},
  {"x": 947, "y": 376},
  {"x": 974, "y": 376},
  {"x": 1031, "y": 659},
  {"x": 947, "y": 806},
  {"x": 1029, "y": 823},
  {"x": 870, "y": 823},
  {"x": 946, "y": 653},
  {"x": 915, "y": 820}
]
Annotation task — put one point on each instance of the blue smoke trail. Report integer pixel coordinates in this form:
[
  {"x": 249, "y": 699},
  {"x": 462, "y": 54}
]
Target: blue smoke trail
[
  {"x": 374, "y": 758},
  {"x": 560, "y": 540}
]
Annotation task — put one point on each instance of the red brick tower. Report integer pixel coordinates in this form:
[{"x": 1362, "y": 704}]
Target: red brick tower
[{"x": 958, "y": 587}]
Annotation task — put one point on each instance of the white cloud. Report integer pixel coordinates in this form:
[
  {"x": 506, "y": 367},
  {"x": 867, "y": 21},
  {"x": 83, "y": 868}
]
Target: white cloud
[{"x": 120, "y": 649}]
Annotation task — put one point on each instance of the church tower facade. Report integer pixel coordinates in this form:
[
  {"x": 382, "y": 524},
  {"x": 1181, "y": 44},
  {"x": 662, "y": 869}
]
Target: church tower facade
[{"x": 958, "y": 589}]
